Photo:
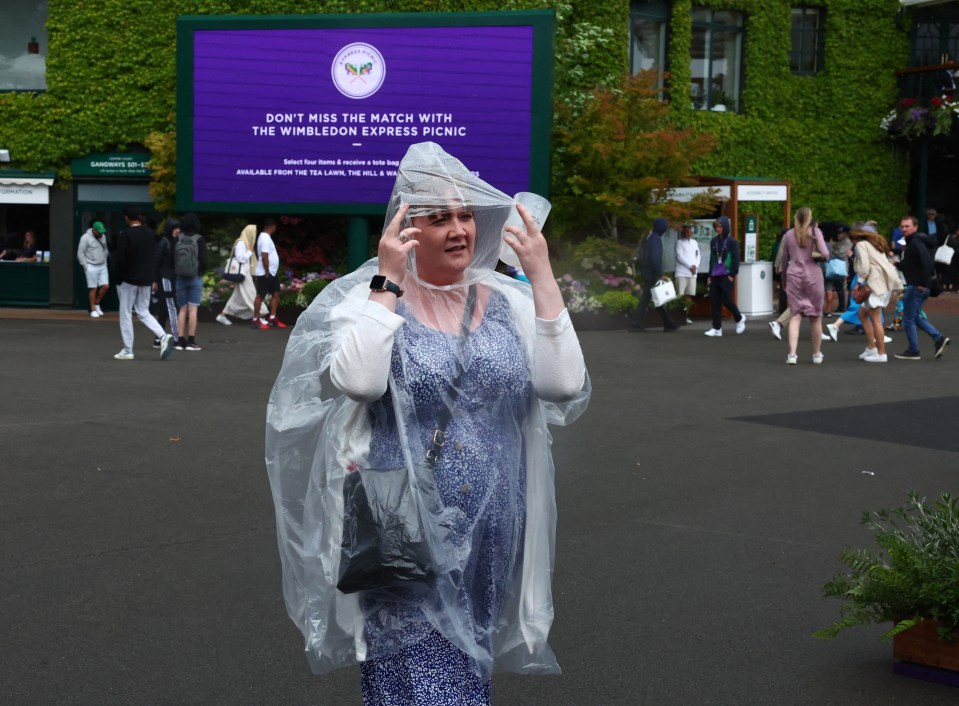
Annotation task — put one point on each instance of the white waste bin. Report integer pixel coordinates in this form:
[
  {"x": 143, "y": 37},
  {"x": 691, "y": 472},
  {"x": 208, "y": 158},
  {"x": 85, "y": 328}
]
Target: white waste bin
[{"x": 754, "y": 288}]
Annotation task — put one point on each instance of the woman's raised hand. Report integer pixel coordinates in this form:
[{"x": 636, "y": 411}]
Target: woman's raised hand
[
  {"x": 395, "y": 245},
  {"x": 529, "y": 246}
]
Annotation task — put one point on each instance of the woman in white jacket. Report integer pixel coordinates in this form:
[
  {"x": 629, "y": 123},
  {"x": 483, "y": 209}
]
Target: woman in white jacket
[{"x": 875, "y": 271}]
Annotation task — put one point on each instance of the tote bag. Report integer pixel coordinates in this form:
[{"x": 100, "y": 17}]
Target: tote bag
[{"x": 662, "y": 292}]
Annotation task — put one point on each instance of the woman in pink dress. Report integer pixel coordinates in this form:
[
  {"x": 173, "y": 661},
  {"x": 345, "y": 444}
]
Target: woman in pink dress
[{"x": 804, "y": 281}]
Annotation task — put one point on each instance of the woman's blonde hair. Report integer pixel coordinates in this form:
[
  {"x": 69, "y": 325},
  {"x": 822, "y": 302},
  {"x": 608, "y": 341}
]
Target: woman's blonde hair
[
  {"x": 801, "y": 225},
  {"x": 248, "y": 236}
]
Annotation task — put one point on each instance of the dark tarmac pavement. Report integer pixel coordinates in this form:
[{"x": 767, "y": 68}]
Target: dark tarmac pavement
[{"x": 703, "y": 499}]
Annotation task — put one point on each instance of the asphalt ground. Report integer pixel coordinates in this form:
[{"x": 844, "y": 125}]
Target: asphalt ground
[{"x": 703, "y": 499}]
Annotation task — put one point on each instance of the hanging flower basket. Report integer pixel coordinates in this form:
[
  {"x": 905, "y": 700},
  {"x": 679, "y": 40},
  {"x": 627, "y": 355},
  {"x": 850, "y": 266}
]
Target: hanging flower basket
[{"x": 910, "y": 119}]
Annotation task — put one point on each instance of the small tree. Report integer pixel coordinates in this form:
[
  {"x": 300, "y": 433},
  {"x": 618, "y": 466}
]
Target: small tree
[
  {"x": 162, "y": 144},
  {"x": 618, "y": 157}
]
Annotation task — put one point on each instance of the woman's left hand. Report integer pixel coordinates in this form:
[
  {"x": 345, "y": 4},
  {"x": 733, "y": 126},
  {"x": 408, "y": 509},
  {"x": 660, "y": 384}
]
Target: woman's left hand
[{"x": 530, "y": 246}]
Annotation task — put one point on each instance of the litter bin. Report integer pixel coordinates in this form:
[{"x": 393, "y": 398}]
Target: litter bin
[{"x": 754, "y": 288}]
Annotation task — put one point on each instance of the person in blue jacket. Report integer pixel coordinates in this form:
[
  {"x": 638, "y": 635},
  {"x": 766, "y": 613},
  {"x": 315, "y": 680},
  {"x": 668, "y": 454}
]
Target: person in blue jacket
[
  {"x": 723, "y": 268},
  {"x": 651, "y": 267}
]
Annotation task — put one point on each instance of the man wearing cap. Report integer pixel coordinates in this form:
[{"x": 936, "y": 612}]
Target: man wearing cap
[
  {"x": 92, "y": 254},
  {"x": 651, "y": 259}
]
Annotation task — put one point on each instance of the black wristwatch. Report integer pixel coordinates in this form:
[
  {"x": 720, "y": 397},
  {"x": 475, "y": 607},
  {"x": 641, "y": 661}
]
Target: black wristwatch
[{"x": 379, "y": 283}]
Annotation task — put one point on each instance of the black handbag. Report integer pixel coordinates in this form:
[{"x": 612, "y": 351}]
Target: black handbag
[
  {"x": 385, "y": 538},
  {"x": 235, "y": 277}
]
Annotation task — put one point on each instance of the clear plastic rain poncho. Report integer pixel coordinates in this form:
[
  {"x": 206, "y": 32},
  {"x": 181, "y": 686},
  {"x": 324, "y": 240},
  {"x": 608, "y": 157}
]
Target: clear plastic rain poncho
[{"x": 493, "y": 529}]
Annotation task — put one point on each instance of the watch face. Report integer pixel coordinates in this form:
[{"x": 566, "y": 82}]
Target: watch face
[{"x": 378, "y": 282}]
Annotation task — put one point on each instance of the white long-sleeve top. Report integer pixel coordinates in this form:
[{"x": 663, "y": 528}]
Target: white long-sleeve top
[
  {"x": 687, "y": 255},
  {"x": 361, "y": 366}
]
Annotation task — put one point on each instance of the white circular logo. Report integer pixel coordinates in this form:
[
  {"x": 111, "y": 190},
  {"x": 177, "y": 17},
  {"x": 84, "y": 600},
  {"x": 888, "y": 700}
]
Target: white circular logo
[{"x": 358, "y": 70}]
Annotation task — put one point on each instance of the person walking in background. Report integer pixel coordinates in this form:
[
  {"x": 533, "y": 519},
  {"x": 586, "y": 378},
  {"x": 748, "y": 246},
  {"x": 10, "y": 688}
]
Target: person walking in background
[
  {"x": 874, "y": 270},
  {"x": 164, "y": 279},
  {"x": 951, "y": 281},
  {"x": 687, "y": 267},
  {"x": 837, "y": 270},
  {"x": 804, "y": 281},
  {"x": 190, "y": 259},
  {"x": 651, "y": 262},
  {"x": 240, "y": 303},
  {"x": 917, "y": 266},
  {"x": 134, "y": 257},
  {"x": 935, "y": 228},
  {"x": 723, "y": 268},
  {"x": 92, "y": 254},
  {"x": 265, "y": 279}
]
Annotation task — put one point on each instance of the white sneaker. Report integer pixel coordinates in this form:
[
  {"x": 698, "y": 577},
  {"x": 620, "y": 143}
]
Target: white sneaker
[
  {"x": 833, "y": 331},
  {"x": 876, "y": 358},
  {"x": 166, "y": 346},
  {"x": 741, "y": 324},
  {"x": 95, "y": 314},
  {"x": 868, "y": 352},
  {"x": 714, "y": 332},
  {"x": 777, "y": 329},
  {"x": 223, "y": 320},
  {"x": 98, "y": 310},
  {"x": 791, "y": 359},
  {"x": 817, "y": 358},
  {"x": 887, "y": 339},
  {"x": 124, "y": 355}
]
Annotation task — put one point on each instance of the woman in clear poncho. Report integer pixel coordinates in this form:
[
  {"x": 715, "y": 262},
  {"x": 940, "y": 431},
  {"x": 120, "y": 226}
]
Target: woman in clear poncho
[{"x": 366, "y": 380}]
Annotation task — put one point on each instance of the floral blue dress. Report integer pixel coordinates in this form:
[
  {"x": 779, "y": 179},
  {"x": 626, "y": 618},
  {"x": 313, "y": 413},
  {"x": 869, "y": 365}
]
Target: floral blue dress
[{"x": 480, "y": 474}]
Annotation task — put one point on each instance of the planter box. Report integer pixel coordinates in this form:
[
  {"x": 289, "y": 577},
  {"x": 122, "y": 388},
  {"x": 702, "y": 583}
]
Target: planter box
[
  {"x": 603, "y": 321},
  {"x": 598, "y": 321},
  {"x": 920, "y": 653}
]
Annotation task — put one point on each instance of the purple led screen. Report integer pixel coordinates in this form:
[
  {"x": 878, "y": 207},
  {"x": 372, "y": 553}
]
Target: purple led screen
[{"x": 272, "y": 125}]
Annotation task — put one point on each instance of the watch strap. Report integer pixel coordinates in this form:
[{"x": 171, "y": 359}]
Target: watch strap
[{"x": 379, "y": 283}]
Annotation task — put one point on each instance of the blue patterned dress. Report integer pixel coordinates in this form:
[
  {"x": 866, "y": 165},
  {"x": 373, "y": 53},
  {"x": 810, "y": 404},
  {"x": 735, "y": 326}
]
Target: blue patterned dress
[{"x": 480, "y": 473}]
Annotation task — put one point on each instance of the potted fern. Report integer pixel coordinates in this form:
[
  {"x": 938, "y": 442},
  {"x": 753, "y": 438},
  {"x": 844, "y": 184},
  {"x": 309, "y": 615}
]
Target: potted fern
[{"x": 913, "y": 582}]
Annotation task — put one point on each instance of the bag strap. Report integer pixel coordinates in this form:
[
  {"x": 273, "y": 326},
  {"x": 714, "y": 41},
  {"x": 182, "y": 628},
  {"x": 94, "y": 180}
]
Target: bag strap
[{"x": 439, "y": 435}]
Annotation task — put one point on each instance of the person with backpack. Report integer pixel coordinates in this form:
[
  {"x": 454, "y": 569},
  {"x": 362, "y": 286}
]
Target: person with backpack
[{"x": 189, "y": 262}]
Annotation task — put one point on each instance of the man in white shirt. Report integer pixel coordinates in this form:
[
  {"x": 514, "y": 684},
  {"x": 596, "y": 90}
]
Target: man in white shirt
[
  {"x": 264, "y": 277},
  {"x": 687, "y": 265}
]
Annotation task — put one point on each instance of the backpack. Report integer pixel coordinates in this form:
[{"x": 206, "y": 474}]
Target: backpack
[{"x": 186, "y": 257}]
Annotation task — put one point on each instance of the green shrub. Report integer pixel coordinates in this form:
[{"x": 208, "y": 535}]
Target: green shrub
[
  {"x": 604, "y": 255},
  {"x": 617, "y": 302},
  {"x": 310, "y": 290}
]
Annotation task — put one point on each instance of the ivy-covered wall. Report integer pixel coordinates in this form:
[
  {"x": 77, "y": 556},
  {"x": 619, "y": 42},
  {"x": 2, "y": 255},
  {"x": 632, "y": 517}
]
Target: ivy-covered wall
[
  {"x": 820, "y": 131},
  {"x": 111, "y": 80}
]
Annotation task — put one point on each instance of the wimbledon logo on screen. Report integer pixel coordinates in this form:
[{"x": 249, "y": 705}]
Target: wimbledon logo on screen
[{"x": 358, "y": 70}]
